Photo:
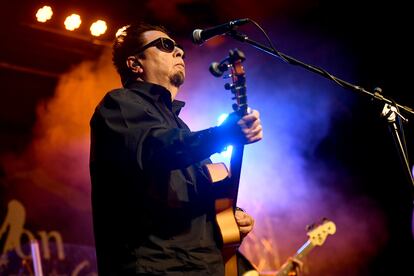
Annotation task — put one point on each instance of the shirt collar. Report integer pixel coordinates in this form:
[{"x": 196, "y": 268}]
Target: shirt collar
[
  {"x": 156, "y": 92},
  {"x": 177, "y": 105}
]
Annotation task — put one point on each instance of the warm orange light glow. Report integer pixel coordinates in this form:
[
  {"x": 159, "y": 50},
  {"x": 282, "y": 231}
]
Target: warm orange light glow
[
  {"x": 72, "y": 22},
  {"x": 44, "y": 14},
  {"x": 120, "y": 31},
  {"x": 98, "y": 27}
]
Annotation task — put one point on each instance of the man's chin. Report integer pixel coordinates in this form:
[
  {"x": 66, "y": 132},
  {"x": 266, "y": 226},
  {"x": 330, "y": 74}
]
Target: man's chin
[{"x": 177, "y": 79}]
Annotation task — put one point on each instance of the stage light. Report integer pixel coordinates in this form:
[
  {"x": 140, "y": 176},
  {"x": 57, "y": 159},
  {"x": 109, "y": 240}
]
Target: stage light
[
  {"x": 98, "y": 27},
  {"x": 72, "y": 22},
  {"x": 222, "y": 118},
  {"x": 227, "y": 152},
  {"x": 44, "y": 14}
]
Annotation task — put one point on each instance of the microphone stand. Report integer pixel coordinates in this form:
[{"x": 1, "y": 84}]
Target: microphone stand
[{"x": 390, "y": 111}]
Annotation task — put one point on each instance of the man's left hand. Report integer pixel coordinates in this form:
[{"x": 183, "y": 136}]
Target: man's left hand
[{"x": 245, "y": 223}]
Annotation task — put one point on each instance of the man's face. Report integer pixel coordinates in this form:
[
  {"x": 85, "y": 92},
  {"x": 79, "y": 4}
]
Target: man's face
[{"x": 159, "y": 66}]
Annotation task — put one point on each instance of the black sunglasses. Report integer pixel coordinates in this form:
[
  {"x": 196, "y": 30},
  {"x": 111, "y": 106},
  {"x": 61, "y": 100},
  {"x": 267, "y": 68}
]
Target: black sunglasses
[{"x": 162, "y": 43}]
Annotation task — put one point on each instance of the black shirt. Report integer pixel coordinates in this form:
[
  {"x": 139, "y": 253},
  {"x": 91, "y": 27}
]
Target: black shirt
[{"x": 153, "y": 207}]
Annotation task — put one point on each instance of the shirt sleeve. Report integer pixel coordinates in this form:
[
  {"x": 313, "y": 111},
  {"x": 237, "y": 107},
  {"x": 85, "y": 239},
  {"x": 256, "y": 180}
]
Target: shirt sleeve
[
  {"x": 179, "y": 148},
  {"x": 133, "y": 130}
]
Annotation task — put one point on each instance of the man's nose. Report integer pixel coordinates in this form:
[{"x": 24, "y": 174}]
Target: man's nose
[{"x": 178, "y": 52}]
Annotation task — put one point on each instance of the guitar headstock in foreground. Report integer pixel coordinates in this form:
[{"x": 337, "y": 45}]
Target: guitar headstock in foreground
[{"x": 317, "y": 233}]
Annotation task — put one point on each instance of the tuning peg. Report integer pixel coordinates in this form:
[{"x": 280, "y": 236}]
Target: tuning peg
[
  {"x": 228, "y": 86},
  {"x": 237, "y": 54},
  {"x": 218, "y": 69},
  {"x": 235, "y": 107},
  {"x": 309, "y": 227}
]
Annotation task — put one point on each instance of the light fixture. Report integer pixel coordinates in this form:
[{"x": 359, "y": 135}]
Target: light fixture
[
  {"x": 98, "y": 28},
  {"x": 72, "y": 22},
  {"x": 44, "y": 14}
]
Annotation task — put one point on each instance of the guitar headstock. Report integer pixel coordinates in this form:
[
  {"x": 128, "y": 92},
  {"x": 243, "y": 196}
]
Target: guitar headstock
[
  {"x": 317, "y": 233},
  {"x": 238, "y": 76}
]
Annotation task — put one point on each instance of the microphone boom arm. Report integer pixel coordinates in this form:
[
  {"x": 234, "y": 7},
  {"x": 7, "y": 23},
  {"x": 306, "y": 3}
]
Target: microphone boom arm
[{"x": 376, "y": 95}]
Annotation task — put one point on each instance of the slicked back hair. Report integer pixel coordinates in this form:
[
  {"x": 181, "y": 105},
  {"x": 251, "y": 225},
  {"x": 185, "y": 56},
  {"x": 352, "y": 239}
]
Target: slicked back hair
[{"x": 127, "y": 43}]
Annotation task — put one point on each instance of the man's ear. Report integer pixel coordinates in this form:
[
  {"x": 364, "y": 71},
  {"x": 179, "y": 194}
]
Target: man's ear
[{"x": 134, "y": 64}]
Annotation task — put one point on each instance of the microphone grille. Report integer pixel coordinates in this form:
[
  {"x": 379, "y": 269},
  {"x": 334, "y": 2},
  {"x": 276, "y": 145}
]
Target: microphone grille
[{"x": 197, "y": 36}]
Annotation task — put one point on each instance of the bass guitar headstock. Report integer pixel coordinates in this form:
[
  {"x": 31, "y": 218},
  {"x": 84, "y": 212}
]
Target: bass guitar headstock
[{"x": 317, "y": 233}]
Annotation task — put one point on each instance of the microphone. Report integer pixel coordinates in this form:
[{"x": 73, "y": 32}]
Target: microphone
[{"x": 199, "y": 36}]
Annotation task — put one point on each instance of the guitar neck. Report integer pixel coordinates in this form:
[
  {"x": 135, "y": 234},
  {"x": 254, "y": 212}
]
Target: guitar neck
[
  {"x": 304, "y": 250},
  {"x": 237, "y": 158},
  {"x": 235, "y": 171},
  {"x": 300, "y": 254}
]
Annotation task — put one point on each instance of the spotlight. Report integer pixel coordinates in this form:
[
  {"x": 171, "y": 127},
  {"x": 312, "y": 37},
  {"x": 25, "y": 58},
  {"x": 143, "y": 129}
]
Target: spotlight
[
  {"x": 228, "y": 150},
  {"x": 72, "y": 22},
  {"x": 98, "y": 27},
  {"x": 222, "y": 118},
  {"x": 44, "y": 14}
]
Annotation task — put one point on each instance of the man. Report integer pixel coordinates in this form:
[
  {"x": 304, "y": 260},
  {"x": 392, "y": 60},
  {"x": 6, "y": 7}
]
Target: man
[{"x": 153, "y": 208}]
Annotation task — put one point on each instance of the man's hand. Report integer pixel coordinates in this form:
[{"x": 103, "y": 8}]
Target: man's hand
[
  {"x": 251, "y": 127},
  {"x": 245, "y": 223},
  {"x": 245, "y": 130},
  {"x": 297, "y": 266}
]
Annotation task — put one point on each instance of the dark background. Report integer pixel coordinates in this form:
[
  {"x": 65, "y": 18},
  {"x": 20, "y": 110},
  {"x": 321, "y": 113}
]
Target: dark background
[{"x": 377, "y": 34}]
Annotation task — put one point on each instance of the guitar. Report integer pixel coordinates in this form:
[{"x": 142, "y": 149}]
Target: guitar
[
  {"x": 226, "y": 200},
  {"x": 317, "y": 236}
]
